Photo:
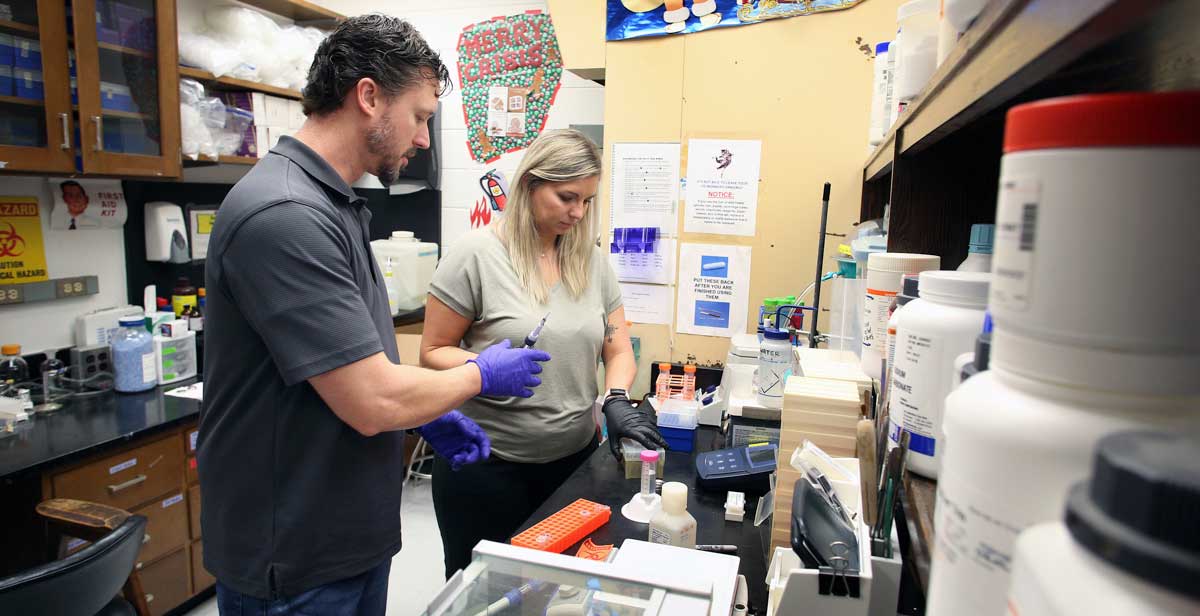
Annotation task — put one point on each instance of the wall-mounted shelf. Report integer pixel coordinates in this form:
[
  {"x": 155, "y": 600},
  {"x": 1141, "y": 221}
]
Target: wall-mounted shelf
[
  {"x": 229, "y": 83},
  {"x": 16, "y": 100},
  {"x": 297, "y": 10},
  {"x": 204, "y": 161},
  {"x": 128, "y": 51},
  {"x": 48, "y": 290},
  {"x": 16, "y": 25}
]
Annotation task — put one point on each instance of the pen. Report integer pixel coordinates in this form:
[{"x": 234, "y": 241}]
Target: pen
[
  {"x": 720, "y": 549},
  {"x": 532, "y": 338}
]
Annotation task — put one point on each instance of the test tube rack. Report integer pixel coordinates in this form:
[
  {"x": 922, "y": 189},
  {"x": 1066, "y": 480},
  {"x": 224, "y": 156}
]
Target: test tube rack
[{"x": 565, "y": 528}]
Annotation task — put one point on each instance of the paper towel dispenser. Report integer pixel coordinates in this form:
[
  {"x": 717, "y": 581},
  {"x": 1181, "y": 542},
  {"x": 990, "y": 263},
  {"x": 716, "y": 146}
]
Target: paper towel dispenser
[{"x": 166, "y": 233}]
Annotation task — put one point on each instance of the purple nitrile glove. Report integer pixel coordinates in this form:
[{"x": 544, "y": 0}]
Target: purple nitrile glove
[
  {"x": 505, "y": 371},
  {"x": 457, "y": 439}
]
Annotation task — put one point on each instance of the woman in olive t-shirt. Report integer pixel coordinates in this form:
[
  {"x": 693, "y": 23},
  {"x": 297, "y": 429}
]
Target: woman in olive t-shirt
[{"x": 496, "y": 284}]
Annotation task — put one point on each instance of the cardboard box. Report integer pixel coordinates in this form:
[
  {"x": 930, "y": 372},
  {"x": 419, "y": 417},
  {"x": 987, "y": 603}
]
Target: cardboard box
[
  {"x": 262, "y": 140},
  {"x": 296, "y": 118},
  {"x": 277, "y": 111}
]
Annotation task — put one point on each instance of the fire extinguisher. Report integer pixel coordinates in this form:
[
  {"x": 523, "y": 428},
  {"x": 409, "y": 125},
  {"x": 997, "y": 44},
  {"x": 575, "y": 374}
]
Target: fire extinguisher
[{"x": 493, "y": 187}]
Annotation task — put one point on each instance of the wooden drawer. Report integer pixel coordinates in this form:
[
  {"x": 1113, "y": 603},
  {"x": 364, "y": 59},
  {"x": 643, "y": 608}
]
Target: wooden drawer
[
  {"x": 167, "y": 583},
  {"x": 127, "y": 479},
  {"x": 201, "y": 578},
  {"x": 189, "y": 439},
  {"x": 194, "y": 510},
  {"x": 166, "y": 527},
  {"x": 189, "y": 467}
]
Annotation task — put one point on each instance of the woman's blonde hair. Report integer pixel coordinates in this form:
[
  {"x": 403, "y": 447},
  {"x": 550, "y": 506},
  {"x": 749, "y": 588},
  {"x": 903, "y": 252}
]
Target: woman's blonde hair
[{"x": 555, "y": 156}]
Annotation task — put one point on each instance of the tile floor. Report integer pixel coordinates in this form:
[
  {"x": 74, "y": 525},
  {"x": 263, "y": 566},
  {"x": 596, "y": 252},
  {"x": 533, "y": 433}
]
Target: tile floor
[{"x": 416, "y": 571}]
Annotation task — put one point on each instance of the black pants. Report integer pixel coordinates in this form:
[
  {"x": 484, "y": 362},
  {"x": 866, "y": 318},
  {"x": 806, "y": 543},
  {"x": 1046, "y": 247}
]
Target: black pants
[{"x": 491, "y": 499}]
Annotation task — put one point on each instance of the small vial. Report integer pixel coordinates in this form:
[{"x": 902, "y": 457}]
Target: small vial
[{"x": 649, "y": 471}]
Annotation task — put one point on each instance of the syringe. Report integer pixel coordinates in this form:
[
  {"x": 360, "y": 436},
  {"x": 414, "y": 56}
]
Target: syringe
[{"x": 532, "y": 338}]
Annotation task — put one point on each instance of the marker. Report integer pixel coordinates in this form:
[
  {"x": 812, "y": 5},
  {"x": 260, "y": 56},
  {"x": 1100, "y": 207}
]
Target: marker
[
  {"x": 720, "y": 549},
  {"x": 532, "y": 338}
]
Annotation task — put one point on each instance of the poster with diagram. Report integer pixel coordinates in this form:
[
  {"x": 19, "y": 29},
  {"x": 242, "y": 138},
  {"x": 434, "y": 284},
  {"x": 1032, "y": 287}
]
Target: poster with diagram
[{"x": 714, "y": 288}]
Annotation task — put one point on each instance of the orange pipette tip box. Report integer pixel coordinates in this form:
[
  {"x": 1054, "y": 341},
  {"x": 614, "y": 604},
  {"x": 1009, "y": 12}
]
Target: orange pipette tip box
[{"x": 565, "y": 528}]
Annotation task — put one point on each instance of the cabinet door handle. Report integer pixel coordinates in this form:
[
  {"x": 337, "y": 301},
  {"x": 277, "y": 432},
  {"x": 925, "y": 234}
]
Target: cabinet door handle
[
  {"x": 149, "y": 598},
  {"x": 66, "y": 128},
  {"x": 99, "y": 122},
  {"x": 113, "y": 489},
  {"x": 145, "y": 538}
]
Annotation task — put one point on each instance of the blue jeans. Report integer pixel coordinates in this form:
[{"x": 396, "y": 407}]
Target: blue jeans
[{"x": 362, "y": 595}]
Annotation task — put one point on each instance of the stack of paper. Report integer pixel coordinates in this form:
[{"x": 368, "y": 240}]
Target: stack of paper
[
  {"x": 837, "y": 366},
  {"x": 823, "y": 411}
]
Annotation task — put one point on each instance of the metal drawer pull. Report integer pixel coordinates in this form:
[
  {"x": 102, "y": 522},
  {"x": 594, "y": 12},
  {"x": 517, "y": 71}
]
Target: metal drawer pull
[
  {"x": 113, "y": 489},
  {"x": 99, "y": 133},
  {"x": 145, "y": 539},
  {"x": 137, "y": 567},
  {"x": 149, "y": 598},
  {"x": 66, "y": 127}
]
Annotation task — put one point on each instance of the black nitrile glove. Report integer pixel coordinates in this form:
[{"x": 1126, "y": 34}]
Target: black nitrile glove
[{"x": 624, "y": 420}]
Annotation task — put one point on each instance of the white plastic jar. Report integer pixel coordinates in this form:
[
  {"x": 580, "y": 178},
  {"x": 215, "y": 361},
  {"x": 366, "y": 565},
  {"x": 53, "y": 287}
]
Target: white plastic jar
[
  {"x": 917, "y": 57},
  {"x": 935, "y": 329},
  {"x": 1068, "y": 367},
  {"x": 884, "y": 273},
  {"x": 1115, "y": 554},
  {"x": 910, "y": 290},
  {"x": 881, "y": 93}
]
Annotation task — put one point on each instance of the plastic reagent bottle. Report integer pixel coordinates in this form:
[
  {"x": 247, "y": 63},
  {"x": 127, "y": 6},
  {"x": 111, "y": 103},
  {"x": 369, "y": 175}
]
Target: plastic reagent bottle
[{"x": 673, "y": 525}]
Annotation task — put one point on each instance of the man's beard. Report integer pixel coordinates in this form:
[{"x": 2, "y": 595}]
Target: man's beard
[{"x": 379, "y": 137}]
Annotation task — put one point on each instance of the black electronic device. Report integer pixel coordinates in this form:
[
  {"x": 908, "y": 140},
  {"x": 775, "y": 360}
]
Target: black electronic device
[{"x": 741, "y": 469}]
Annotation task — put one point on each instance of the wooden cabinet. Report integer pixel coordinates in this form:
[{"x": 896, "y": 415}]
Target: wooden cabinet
[
  {"x": 201, "y": 578},
  {"x": 35, "y": 97},
  {"x": 127, "y": 479},
  {"x": 167, "y": 583},
  {"x": 166, "y": 527},
  {"x": 194, "y": 511},
  {"x": 90, "y": 86}
]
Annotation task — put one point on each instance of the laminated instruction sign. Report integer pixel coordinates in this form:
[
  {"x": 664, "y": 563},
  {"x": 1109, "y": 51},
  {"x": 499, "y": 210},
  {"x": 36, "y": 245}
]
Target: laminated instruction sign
[
  {"x": 722, "y": 186},
  {"x": 714, "y": 288},
  {"x": 22, "y": 251}
]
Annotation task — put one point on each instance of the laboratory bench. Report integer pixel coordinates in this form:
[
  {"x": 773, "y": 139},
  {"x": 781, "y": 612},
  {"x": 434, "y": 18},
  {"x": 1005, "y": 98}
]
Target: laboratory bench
[
  {"x": 601, "y": 479},
  {"x": 131, "y": 451}
]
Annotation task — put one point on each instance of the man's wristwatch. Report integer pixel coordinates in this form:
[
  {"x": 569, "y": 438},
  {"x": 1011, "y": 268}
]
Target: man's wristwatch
[{"x": 615, "y": 393}]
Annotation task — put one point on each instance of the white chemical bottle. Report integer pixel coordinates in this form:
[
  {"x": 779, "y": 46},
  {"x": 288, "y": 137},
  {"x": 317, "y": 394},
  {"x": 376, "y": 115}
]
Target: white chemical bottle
[
  {"x": 935, "y": 329},
  {"x": 389, "y": 283},
  {"x": 909, "y": 292},
  {"x": 673, "y": 525},
  {"x": 979, "y": 251},
  {"x": 880, "y": 95},
  {"x": 884, "y": 273},
  {"x": 1115, "y": 554},
  {"x": 1061, "y": 376},
  {"x": 774, "y": 366}
]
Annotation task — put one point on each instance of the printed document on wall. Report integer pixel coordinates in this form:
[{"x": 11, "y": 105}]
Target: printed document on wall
[
  {"x": 656, "y": 267},
  {"x": 645, "y": 186},
  {"x": 722, "y": 186},
  {"x": 714, "y": 288},
  {"x": 647, "y": 303}
]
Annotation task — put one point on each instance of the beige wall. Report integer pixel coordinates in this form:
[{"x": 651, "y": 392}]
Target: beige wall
[{"x": 802, "y": 86}]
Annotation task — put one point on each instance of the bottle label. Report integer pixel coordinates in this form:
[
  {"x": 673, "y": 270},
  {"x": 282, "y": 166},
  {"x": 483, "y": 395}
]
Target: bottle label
[
  {"x": 1015, "y": 241},
  {"x": 774, "y": 365},
  {"x": 149, "y": 374},
  {"x": 918, "y": 382},
  {"x": 875, "y": 323},
  {"x": 658, "y": 535},
  {"x": 976, "y": 536}
]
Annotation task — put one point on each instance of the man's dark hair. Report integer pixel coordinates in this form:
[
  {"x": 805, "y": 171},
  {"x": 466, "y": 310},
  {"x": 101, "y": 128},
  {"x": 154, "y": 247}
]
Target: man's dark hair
[
  {"x": 386, "y": 49},
  {"x": 64, "y": 185}
]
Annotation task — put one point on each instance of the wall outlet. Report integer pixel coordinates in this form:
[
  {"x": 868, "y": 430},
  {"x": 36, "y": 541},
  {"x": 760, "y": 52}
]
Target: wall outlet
[{"x": 87, "y": 361}]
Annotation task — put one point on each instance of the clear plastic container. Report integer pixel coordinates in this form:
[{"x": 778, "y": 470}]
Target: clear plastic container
[
  {"x": 631, "y": 452},
  {"x": 133, "y": 356},
  {"x": 662, "y": 387},
  {"x": 13, "y": 368}
]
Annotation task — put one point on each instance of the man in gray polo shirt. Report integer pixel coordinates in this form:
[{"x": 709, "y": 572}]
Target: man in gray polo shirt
[{"x": 300, "y": 448}]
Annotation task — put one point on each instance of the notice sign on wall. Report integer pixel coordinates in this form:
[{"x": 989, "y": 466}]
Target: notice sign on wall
[
  {"x": 714, "y": 287},
  {"x": 722, "y": 186},
  {"x": 509, "y": 69},
  {"x": 22, "y": 251}
]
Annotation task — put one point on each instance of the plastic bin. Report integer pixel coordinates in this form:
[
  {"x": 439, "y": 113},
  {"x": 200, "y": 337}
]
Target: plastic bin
[
  {"x": 27, "y": 53},
  {"x": 7, "y": 50},
  {"x": 28, "y": 84},
  {"x": 116, "y": 97},
  {"x": 679, "y": 439},
  {"x": 6, "y": 80},
  {"x": 677, "y": 413},
  {"x": 631, "y": 452}
]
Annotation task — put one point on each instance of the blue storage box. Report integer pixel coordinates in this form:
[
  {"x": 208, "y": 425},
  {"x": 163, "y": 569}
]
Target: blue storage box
[
  {"x": 28, "y": 84},
  {"x": 108, "y": 35},
  {"x": 71, "y": 62},
  {"x": 116, "y": 97},
  {"x": 678, "y": 439},
  {"x": 27, "y": 53},
  {"x": 7, "y": 50},
  {"x": 74, "y": 91},
  {"x": 6, "y": 80}
]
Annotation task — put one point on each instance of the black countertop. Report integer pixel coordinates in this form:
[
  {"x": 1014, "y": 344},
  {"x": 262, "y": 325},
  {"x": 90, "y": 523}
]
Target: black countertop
[
  {"x": 602, "y": 480},
  {"x": 86, "y": 424}
]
